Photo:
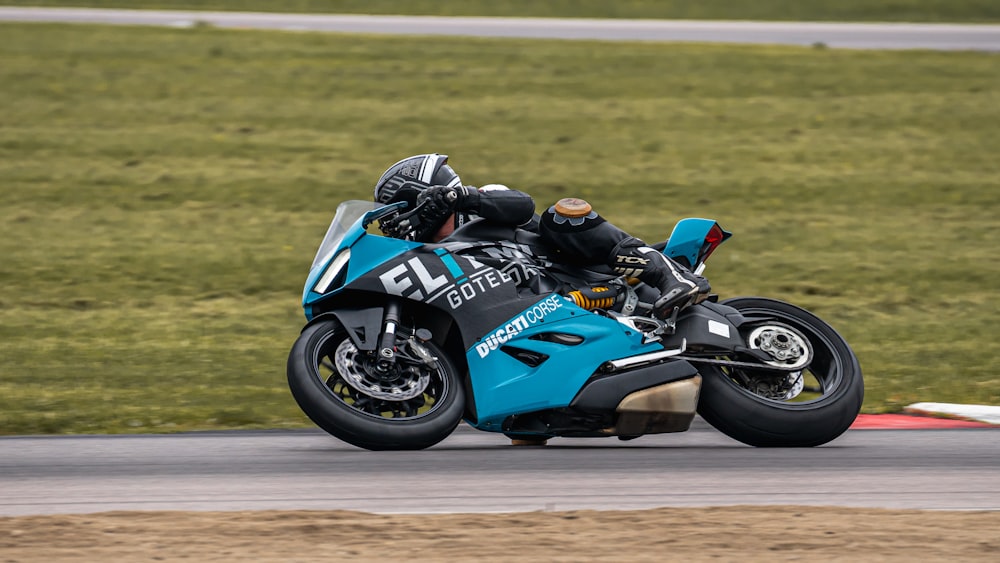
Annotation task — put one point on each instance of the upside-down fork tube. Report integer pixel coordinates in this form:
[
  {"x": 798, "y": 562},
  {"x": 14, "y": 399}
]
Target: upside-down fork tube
[{"x": 387, "y": 343}]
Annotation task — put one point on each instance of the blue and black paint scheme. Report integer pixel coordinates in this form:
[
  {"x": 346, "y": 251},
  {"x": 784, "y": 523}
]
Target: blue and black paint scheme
[{"x": 525, "y": 352}]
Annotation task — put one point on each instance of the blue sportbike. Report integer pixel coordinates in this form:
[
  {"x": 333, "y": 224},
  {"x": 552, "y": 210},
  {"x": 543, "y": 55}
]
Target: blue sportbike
[{"x": 405, "y": 340}]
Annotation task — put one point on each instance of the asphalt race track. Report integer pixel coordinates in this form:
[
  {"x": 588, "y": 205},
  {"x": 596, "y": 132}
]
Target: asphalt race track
[
  {"x": 478, "y": 472},
  {"x": 839, "y": 35}
]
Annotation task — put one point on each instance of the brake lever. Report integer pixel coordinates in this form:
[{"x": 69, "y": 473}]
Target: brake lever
[{"x": 404, "y": 225}]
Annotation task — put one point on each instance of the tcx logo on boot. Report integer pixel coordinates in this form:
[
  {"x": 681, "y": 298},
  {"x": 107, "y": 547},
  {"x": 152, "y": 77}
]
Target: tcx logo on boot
[{"x": 631, "y": 260}]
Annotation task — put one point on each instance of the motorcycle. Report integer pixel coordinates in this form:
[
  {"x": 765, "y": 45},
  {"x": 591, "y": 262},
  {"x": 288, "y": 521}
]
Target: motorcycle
[{"x": 404, "y": 340}]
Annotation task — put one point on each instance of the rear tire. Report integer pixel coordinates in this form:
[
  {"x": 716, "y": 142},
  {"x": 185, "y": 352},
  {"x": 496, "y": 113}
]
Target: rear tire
[
  {"x": 760, "y": 409},
  {"x": 335, "y": 386}
]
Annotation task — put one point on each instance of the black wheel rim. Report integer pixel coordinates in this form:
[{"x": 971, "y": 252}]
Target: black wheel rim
[{"x": 820, "y": 380}]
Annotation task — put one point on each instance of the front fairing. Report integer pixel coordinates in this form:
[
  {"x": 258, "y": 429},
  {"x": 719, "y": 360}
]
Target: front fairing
[{"x": 335, "y": 264}]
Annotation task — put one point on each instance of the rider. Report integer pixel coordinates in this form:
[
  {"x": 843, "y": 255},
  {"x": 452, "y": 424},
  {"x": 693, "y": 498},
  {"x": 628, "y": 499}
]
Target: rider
[{"x": 571, "y": 227}]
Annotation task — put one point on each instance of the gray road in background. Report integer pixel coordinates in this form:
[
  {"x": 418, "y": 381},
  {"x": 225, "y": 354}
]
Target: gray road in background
[
  {"x": 477, "y": 472},
  {"x": 839, "y": 35}
]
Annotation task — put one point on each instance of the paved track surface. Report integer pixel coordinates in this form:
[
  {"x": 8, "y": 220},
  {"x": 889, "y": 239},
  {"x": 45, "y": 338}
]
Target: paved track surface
[
  {"x": 840, "y": 35},
  {"x": 477, "y": 472}
]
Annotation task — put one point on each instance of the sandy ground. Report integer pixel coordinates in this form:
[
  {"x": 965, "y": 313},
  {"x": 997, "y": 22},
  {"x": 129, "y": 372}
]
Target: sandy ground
[{"x": 691, "y": 534}]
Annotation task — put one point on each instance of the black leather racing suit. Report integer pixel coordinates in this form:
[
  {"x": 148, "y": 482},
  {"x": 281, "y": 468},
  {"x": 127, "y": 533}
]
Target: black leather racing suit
[{"x": 587, "y": 239}]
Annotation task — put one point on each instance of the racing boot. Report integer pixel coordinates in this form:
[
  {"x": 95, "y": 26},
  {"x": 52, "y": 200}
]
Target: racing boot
[{"x": 678, "y": 286}]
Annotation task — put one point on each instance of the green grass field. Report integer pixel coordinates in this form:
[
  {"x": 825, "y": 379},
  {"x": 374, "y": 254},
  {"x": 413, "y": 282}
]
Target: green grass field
[
  {"x": 970, "y": 11},
  {"x": 162, "y": 192}
]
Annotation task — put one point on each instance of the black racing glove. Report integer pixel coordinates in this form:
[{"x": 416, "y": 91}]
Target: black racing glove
[
  {"x": 439, "y": 201},
  {"x": 433, "y": 207},
  {"x": 460, "y": 198}
]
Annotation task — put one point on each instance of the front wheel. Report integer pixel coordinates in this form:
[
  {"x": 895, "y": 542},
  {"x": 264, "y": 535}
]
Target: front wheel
[
  {"x": 413, "y": 405},
  {"x": 813, "y": 401}
]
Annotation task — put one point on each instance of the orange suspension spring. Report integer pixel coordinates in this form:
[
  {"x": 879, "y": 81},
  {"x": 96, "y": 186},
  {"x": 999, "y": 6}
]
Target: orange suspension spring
[{"x": 592, "y": 298}]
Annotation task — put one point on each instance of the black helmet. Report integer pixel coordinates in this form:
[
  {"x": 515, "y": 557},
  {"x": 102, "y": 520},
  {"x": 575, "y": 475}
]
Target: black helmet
[{"x": 415, "y": 174}]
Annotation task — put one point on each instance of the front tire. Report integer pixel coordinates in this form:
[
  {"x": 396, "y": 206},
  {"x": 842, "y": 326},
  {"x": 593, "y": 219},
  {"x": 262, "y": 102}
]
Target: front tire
[
  {"x": 413, "y": 407},
  {"x": 802, "y": 408}
]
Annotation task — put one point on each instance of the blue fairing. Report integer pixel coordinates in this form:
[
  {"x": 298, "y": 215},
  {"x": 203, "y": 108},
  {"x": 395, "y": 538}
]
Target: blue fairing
[
  {"x": 366, "y": 252},
  {"x": 504, "y": 385},
  {"x": 366, "y": 255}
]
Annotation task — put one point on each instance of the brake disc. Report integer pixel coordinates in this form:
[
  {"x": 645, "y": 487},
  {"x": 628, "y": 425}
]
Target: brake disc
[{"x": 403, "y": 385}]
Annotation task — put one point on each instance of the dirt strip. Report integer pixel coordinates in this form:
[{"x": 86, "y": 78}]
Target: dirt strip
[{"x": 743, "y": 533}]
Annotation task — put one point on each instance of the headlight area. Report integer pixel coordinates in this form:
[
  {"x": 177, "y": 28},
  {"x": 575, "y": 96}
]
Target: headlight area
[{"x": 333, "y": 277}]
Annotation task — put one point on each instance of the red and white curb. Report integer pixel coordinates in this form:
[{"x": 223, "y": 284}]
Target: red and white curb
[
  {"x": 932, "y": 416},
  {"x": 981, "y": 413}
]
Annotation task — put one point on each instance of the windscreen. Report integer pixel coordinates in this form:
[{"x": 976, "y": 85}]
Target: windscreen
[{"x": 347, "y": 213}]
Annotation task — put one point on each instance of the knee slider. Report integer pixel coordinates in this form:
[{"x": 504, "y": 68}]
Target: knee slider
[
  {"x": 572, "y": 207},
  {"x": 570, "y": 215}
]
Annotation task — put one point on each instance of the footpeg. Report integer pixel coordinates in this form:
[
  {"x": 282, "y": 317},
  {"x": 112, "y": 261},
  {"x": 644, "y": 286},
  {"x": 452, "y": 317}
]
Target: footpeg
[{"x": 642, "y": 359}]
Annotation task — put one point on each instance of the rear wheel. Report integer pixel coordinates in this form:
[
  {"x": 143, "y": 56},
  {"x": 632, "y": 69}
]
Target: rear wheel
[
  {"x": 413, "y": 405},
  {"x": 813, "y": 401}
]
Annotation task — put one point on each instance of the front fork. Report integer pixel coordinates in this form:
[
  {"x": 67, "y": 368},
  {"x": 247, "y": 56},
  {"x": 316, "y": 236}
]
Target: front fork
[
  {"x": 387, "y": 343},
  {"x": 414, "y": 349}
]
